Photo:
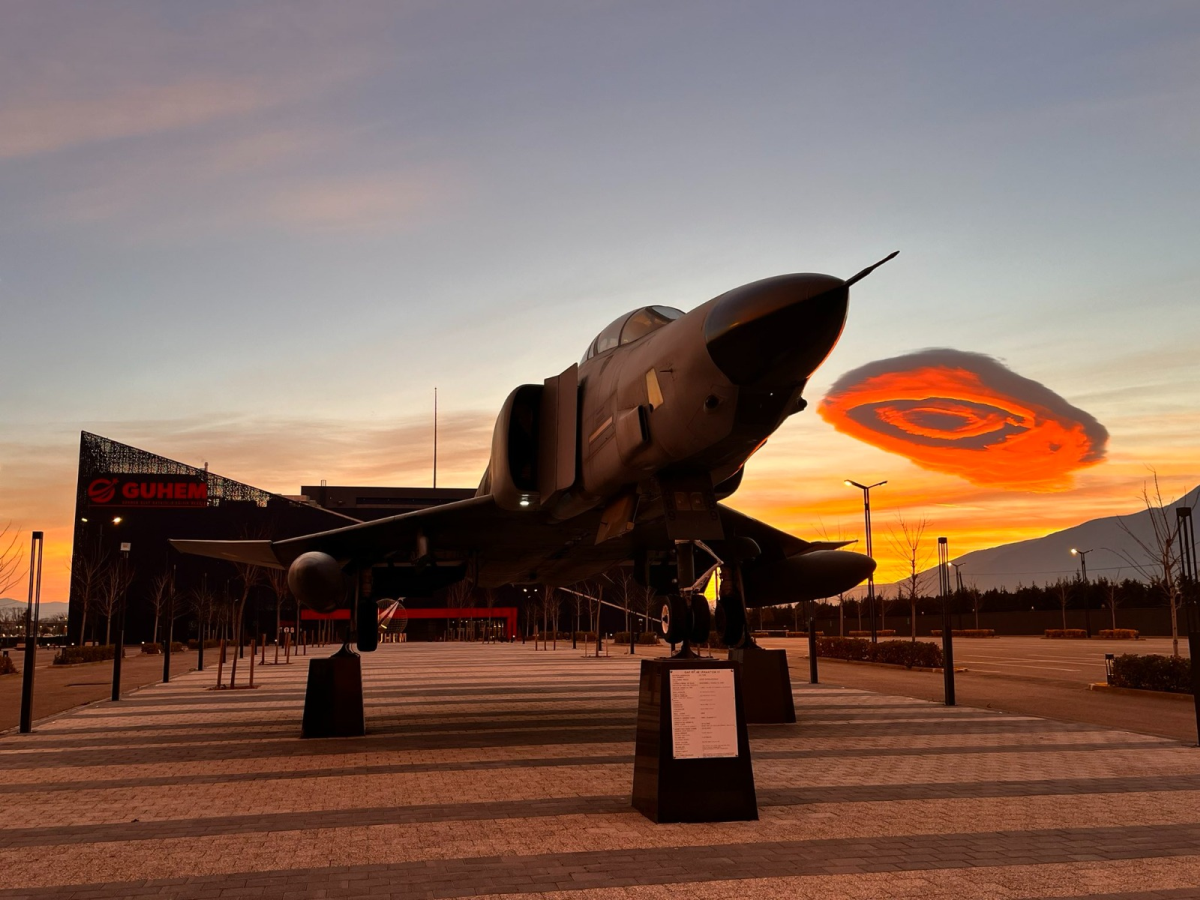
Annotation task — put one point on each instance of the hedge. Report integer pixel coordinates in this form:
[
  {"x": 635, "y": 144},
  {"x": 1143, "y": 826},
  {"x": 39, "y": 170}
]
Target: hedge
[
  {"x": 902, "y": 653},
  {"x": 967, "y": 632},
  {"x": 151, "y": 647},
  {"x": 71, "y": 655},
  {"x": 643, "y": 637},
  {"x": 882, "y": 632},
  {"x": 1119, "y": 634},
  {"x": 1072, "y": 633},
  {"x": 1151, "y": 672},
  {"x": 7, "y": 666}
]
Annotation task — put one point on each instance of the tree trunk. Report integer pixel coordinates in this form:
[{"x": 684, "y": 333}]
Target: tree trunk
[
  {"x": 108, "y": 629},
  {"x": 154, "y": 633},
  {"x": 83, "y": 627}
]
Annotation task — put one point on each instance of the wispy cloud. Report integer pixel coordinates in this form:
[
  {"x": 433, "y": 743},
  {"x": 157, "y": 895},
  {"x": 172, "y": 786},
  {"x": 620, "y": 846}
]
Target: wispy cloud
[{"x": 41, "y": 126}]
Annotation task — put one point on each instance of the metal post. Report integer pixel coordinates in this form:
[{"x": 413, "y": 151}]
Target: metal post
[
  {"x": 32, "y": 615},
  {"x": 169, "y": 630},
  {"x": 200, "y": 622},
  {"x": 947, "y": 631},
  {"x": 812, "y": 651},
  {"x": 1087, "y": 606},
  {"x": 1187, "y": 547},
  {"x": 866, "y": 489},
  {"x": 119, "y": 649}
]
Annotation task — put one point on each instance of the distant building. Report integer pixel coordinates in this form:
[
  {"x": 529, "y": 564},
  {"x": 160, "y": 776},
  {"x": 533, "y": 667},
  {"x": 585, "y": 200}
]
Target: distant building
[{"x": 127, "y": 495}]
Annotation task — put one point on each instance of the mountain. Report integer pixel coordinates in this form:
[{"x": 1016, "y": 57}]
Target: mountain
[
  {"x": 1112, "y": 543},
  {"x": 47, "y": 610}
]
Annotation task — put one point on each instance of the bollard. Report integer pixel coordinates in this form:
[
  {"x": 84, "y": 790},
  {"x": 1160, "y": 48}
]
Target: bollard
[
  {"x": 812, "y": 651},
  {"x": 1194, "y": 652},
  {"x": 221, "y": 664},
  {"x": 237, "y": 651},
  {"x": 31, "y": 630},
  {"x": 263, "y": 662},
  {"x": 947, "y": 654},
  {"x": 252, "y": 659},
  {"x": 287, "y": 648},
  {"x": 277, "y": 637}
]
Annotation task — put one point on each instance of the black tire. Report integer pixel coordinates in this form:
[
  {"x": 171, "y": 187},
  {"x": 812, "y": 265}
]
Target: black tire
[
  {"x": 731, "y": 621},
  {"x": 674, "y": 619},
  {"x": 701, "y": 619}
]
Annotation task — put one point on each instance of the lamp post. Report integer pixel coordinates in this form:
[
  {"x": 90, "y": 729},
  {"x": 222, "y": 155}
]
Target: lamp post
[
  {"x": 866, "y": 490},
  {"x": 1087, "y": 612},
  {"x": 119, "y": 649}
]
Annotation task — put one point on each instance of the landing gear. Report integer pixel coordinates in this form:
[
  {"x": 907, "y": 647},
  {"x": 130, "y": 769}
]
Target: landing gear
[
  {"x": 675, "y": 619},
  {"x": 731, "y": 621}
]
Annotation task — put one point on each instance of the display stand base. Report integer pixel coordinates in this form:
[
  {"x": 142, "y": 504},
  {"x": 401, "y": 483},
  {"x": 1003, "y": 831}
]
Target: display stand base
[
  {"x": 706, "y": 789},
  {"x": 766, "y": 685},
  {"x": 333, "y": 701}
]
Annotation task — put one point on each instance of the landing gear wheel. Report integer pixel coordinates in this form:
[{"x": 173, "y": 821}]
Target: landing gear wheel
[
  {"x": 701, "y": 619},
  {"x": 731, "y": 621},
  {"x": 674, "y": 619}
]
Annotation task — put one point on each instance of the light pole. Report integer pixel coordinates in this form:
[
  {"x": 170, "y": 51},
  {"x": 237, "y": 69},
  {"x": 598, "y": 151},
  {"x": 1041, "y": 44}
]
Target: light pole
[
  {"x": 119, "y": 649},
  {"x": 1087, "y": 617},
  {"x": 866, "y": 489},
  {"x": 959, "y": 594}
]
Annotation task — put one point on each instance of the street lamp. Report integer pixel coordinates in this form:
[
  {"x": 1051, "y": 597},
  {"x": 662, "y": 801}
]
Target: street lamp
[
  {"x": 866, "y": 489},
  {"x": 1087, "y": 617}
]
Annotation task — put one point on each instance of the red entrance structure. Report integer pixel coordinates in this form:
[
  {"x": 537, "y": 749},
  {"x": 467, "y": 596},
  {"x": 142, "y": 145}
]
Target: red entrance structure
[{"x": 507, "y": 613}]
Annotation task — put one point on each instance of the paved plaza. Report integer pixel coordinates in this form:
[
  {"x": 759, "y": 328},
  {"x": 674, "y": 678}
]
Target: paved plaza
[{"x": 495, "y": 769}]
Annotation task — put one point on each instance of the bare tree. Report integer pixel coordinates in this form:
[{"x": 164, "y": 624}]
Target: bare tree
[
  {"x": 87, "y": 574},
  {"x": 162, "y": 588},
  {"x": 276, "y": 580},
  {"x": 907, "y": 542},
  {"x": 1112, "y": 596},
  {"x": 12, "y": 568},
  {"x": 1160, "y": 556},
  {"x": 203, "y": 603},
  {"x": 250, "y": 577},
  {"x": 114, "y": 582},
  {"x": 1062, "y": 590},
  {"x": 459, "y": 597}
]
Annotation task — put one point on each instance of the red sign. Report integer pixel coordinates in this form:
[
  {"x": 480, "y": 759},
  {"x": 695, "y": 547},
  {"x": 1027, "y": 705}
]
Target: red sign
[{"x": 147, "y": 490}]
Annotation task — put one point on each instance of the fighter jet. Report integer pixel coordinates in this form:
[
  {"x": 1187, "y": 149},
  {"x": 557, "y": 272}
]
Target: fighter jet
[{"x": 623, "y": 458}]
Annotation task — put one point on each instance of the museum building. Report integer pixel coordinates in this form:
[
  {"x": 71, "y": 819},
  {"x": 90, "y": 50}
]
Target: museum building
[{"x": 130, "y": 502}]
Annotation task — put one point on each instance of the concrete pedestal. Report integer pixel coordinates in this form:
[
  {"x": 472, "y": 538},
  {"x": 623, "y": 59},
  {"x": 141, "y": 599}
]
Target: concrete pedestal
[
  {"x": 333, "y": 701},
  {"x": 671, "y": 789},
  {"x": 766, "y": 685}
]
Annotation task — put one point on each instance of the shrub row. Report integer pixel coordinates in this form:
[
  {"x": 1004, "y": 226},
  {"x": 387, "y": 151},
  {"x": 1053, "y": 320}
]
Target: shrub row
[
  {"x": 151, "y": 647},
  {"x": 902, "y": 653},
  {"x": 1072, "y": 633},
  {"x": 70, "y": 655},
  {"x": 1119, "y": 634},
  {"x": 882, "y": 632},
  {"x": 1151, "y": 672},
  {"x": 804, "y": 634},
  {"x": 967, "y": 632},
  {"x": 649, "y": 638}
]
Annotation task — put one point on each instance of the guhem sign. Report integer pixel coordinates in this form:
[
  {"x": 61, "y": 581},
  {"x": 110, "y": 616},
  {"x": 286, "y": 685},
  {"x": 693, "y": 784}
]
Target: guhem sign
[{"x": 147, "y": 490}]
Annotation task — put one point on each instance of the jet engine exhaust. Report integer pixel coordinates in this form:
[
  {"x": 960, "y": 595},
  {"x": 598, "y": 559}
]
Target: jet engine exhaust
[{"x": 316, "y": 581}]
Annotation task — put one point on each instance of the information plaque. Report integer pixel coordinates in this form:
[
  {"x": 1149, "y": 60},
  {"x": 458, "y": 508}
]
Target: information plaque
[{"x": 703, "y": 713}]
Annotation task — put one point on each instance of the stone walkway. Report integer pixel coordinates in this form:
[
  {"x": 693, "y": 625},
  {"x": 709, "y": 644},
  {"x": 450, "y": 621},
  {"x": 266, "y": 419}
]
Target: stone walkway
[{"x": 494, "y": 769}]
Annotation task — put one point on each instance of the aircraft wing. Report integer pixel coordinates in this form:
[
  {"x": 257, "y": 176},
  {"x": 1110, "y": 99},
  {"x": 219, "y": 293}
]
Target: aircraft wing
[{"x": 509, "y": 546}]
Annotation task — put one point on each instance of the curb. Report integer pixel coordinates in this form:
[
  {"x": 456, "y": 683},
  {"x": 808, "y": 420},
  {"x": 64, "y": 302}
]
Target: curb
[
  {"x": 1101, "y": 687},
  {"x": 868, "y": 662}
]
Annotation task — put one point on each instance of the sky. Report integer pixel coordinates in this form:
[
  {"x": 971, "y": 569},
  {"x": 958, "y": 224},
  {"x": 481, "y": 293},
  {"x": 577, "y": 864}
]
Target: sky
[{"x": 260, "y": 235}]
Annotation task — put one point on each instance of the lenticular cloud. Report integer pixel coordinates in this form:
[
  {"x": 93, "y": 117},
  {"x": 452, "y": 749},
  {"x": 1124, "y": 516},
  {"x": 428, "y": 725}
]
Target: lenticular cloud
[{"x": 968, "y": 415}]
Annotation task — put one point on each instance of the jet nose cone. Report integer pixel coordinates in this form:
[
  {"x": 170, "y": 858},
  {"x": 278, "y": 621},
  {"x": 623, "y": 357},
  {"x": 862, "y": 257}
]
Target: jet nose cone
[{"x": 776, "y": 331}]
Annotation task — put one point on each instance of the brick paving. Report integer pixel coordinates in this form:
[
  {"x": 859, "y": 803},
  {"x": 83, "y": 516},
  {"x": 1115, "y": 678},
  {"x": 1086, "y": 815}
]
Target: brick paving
[{"x": 496, "y": 770}]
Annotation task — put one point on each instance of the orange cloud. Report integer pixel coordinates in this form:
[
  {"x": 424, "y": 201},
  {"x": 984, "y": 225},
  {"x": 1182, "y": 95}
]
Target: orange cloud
[{"x": 968, "y": 415}]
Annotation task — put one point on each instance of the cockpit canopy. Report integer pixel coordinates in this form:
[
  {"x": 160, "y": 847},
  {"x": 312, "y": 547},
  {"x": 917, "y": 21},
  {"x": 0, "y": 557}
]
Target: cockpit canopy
[{"x": 632, "y": 326}]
